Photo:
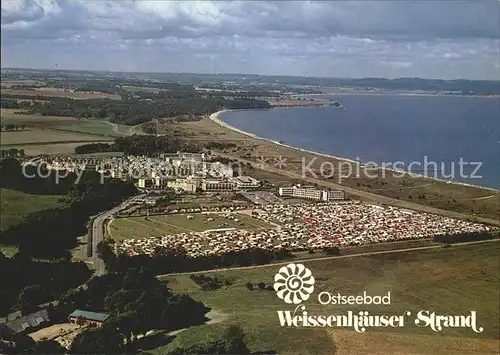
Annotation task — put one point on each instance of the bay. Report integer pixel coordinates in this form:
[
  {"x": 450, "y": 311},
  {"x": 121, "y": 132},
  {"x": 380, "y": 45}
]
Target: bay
[{"x": 393, "y": 128}]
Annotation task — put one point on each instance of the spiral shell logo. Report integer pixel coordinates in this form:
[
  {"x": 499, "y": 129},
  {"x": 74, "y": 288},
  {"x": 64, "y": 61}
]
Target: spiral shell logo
[{"x": 294, "y": 283}]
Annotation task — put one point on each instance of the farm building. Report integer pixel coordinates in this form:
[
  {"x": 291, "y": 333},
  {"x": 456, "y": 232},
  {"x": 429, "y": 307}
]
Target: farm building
[
  {"x": 88, "y": 318},
  {"x": 26, "y": 323}
]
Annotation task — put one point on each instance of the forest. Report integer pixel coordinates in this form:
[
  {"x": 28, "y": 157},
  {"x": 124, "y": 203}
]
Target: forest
[{"x": 135, "y": 107}]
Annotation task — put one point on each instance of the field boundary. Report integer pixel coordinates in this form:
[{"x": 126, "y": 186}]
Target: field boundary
[{"x": 82, "y": 132}]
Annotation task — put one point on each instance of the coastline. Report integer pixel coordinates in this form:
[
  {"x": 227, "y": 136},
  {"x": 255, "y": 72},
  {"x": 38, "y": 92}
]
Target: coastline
[
  {"x": 215, "y": 118},
  {"x": 396, "y": 93}
]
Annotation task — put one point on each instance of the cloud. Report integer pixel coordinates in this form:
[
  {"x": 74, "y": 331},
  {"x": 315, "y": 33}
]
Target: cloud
[{"x": 332, "y": 37}]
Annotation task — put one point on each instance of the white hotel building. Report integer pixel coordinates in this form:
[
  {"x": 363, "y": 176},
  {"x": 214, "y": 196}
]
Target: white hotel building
[{"x": 311, "y": 193}]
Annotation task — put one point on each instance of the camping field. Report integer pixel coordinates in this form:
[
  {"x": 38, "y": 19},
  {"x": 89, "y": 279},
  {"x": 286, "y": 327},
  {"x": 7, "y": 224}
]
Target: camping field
[
  {"x": 34, "y": 136},
  {"x": 449, "y": 281},
  {"x": 157, "y": 225},
  {"x": 86, "y": 126}
]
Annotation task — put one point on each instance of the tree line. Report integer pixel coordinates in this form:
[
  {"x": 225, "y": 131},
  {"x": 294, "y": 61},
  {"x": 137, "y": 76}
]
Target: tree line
[
  {"x": 30, "y": 283},
  {"x": 141, "y": 145},
  {"x": 50, "y": 233},
  {"x": 12, "y": 153},
  {"x": 165, "y": 260},
  {"x": 466, "y": 237},
  {"x": 12, "y": 127},
  {"x": 137, "y": 108},
  {"x": 152, "y": 146},
  {"x": 23, "y": 101},
  {"x": 136, "y": 302}
]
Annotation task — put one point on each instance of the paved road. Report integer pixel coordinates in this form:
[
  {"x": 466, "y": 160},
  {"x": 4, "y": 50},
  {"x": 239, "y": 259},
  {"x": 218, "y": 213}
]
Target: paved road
[
  {"x": 329, "y": 258},
  {"x": 98, "y": 233}
]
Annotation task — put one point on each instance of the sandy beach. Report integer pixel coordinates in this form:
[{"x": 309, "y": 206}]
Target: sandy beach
[{"x": 216, "y": 118}]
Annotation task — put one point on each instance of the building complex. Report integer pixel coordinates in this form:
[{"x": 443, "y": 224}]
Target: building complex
[
  {"x": 312, "y": 193},
  {"x": 186, "y": 172}
]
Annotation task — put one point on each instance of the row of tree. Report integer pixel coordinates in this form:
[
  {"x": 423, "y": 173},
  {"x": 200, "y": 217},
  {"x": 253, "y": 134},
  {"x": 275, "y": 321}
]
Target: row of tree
[
  {"x": 136, "y": 302},
  {"x": 141, "y": 145},
  {"x": 50, "y": 233},
  {"x": 208, "y": 283},
  {"x": 22, "y": 101},
  {"x": 29, "y": 283},
  {"x": 13, "y": 153},
  {"x": 136, "y": 110},
  {"x": 12, "y": 127},
  {"x": 165, "y": 260}
]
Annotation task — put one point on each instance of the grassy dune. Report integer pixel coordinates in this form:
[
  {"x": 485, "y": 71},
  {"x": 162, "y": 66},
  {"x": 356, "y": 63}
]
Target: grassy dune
[
  {"x": 405, "y": 192},
  {"x": 449, "y": 281}
]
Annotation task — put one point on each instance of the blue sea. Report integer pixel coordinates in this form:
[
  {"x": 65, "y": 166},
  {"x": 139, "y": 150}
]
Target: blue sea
[{"x": 450, "y": 131}]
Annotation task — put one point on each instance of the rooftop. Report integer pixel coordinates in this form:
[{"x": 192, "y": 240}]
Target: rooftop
[
  {"x": 31, "y": 320},
  {"x": 100, "y": 317},
  {"x": 245, "y": 178}
]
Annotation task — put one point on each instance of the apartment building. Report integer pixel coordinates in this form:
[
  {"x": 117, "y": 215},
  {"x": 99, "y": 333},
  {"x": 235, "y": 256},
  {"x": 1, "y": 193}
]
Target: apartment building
[
  {"x": 246, "y": 182},
  {"x": 217, "y": 185},
  {"x": 183, "y": 185},
  {"x": 218, "y": 170},
  {"x": 309, "y": 192}
]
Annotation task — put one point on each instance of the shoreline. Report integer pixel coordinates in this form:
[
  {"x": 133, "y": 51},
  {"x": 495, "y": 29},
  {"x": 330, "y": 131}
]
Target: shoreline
[
  {"x": 215, "y": 118},
  {"x": 386, "y": 93}
]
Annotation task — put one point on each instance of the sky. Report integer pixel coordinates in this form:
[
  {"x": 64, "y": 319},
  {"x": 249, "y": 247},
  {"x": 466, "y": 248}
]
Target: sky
[{"x": 428, "y": 39}]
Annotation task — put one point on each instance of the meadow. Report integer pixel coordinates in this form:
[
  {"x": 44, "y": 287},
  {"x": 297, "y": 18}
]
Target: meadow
[
  {"x": 54, "y": 148},
  {"x": 89, "y": 126},
  {"x": 449, "y": 281},
  {"x": 58, "y": 92},
  {"x": 55, "y": 134},
  {"x": 158, "y": 225},
  {"x": 95, "y": 127},
  {"x": 33, "y": 136},
  {"x": 15, "y": 205}
]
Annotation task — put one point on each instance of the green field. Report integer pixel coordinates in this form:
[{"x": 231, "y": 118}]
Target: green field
[
  {"x": 140, "y": 88},
  {"x": 8, "y": 250},
  {"x": 56, "y": 134},
  {"x": 92, "y": 127},
  {"x": 15, "y": 205},
  {"x": 133, "y": 227},
  {"x": 449, "y": 281}
]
